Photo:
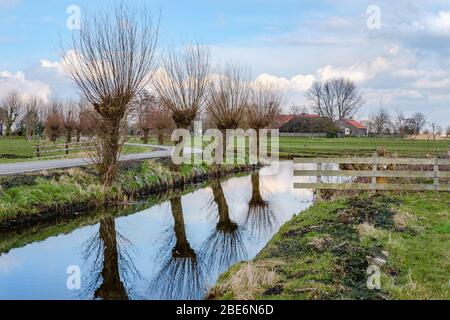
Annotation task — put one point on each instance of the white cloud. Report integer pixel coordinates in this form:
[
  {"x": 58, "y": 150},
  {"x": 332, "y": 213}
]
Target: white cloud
[
  {"x": 331, "y": 72},
  {"x": 297, "y": 83},
  {"x": 438, "y": 24},
  {"x": 359, "y": 73},
  {"x": 71, "y": 57},
  {"x": 432, "y": 84},
  {"x": 52, "y": 65},
  {"x": 27, "y": 88}
]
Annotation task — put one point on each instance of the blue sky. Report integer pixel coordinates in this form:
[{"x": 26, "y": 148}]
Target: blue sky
[{"x": 405, "y": 64}]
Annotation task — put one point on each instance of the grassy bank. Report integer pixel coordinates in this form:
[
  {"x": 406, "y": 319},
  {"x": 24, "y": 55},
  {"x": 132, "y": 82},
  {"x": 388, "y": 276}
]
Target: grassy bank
[
  {"x": 30, "y": 199},
  {"x": 324, "y": 252},
  {"x": 18, "y": 238}
]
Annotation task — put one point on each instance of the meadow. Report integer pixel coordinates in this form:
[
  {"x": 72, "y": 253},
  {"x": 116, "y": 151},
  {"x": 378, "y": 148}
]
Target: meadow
[
  {"x": 18, "y": 149},
  {"x": 325, "y": 147}
]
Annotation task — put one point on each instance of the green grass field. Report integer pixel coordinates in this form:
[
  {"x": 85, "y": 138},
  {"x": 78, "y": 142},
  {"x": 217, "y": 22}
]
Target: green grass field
[
  {"x": 15, "y": 149},
  {"x": 20, "y": 150},
  {"x": 323, "y": 147},
  {"x": 326, "y": 147}
]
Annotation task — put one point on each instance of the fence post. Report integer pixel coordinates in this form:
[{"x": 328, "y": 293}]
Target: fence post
[
  {"x": 374, "y": 170},
  {"x": 67, "y": 149},
  {"x": 38, "y": 152},
  {"x": 319, "y": 180},
  {"x": 436, "y": 174}
]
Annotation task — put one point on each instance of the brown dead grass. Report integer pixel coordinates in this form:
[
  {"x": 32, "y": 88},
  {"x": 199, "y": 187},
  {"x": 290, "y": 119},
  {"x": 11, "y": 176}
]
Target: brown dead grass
[{"x": 247, "y": 281}]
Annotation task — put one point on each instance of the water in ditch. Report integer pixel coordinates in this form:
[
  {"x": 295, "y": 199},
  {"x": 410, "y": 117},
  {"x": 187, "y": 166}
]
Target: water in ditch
[{"x": 173, "y": 248}]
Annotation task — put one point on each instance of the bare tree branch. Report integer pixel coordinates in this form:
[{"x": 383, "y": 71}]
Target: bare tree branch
[{"x": 182, "y": 89}]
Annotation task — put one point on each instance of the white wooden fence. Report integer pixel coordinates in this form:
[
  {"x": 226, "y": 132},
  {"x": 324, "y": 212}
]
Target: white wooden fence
[{"x": 380, "y": 168}]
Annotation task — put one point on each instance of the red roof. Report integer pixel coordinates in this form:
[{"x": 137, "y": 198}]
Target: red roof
[
  {"x": 355, "y": 123},
  {"x": 281, "y": 120}
]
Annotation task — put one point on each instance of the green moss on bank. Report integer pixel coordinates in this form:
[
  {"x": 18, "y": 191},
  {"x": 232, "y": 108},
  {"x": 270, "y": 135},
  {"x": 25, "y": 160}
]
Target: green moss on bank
[{"x": 324, "y": 253}]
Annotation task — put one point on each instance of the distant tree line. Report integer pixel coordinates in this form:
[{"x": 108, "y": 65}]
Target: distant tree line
[
  {"x": 34, "y": 118},
  {"x": 382, "y": 122}
]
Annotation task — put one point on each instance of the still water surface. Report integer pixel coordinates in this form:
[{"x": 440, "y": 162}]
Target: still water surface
[{"x": 172, "y": 250}]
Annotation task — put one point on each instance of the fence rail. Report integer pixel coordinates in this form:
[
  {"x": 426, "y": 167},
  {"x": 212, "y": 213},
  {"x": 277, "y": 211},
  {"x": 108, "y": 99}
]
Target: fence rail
[
  {"x": 62, "y": 150},
  {"x": 381, "y": 168},
  {"x": 374, "y": 160}
]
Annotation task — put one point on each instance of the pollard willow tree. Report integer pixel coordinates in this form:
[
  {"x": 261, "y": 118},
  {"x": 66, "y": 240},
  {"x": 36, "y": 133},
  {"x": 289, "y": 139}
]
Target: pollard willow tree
[
  {"x": 183, "y": 83},
  {"x": 54, "y": 120},
  {"x": 263, "y": 106},
  {"x": 229, "y": 94},
  {"x": 182, "y": 87},
  {"x": 111, "y": 61}
]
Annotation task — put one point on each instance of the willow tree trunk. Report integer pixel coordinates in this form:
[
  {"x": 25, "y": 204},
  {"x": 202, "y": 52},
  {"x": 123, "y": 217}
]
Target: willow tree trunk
[
  {"x": 160, "y": 137},
  {"x": 256, "y": 199},
  {"x": 145, "y": 137},
  {"x": 225, "y": 224},
  {"x": 112, "y": 287},
  {"x": 110, "y": 149},
  {"x": 182, "y": 247},
  {"x": 68, "y": 136},
  {"x": 8, "y": 131},
  {"x": 174, "y": 167}
]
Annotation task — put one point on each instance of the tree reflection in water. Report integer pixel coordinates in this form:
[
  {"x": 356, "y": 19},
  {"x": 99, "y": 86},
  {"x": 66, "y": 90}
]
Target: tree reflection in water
[
  {"x": 181, "y": 276},
  {"x": 225, "y": 246},
  {"x": 261, "y": 219},
  {"x": 107, "y": 253}
]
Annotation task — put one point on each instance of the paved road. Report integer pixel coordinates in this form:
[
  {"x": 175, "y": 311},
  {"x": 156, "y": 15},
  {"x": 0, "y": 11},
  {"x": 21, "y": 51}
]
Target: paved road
[{"x": 26, "y": 167}]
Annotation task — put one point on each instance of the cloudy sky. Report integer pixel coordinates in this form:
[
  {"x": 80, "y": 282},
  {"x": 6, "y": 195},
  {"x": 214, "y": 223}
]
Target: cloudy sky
[{"x": 405, "y": 63}]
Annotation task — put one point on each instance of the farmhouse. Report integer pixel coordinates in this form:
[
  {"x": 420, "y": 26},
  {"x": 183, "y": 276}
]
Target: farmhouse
[
  {"x": 352, "y": 128},
  {"x": 305, "y": 125}
]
